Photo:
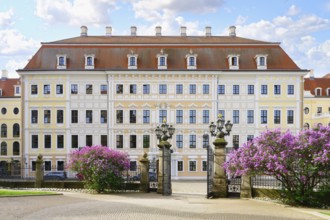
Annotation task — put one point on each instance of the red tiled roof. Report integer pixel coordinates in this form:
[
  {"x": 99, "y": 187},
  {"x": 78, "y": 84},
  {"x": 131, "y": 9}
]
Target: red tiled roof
[
  {"x": 7, "y": 87},
  {"x": 312, "y": 84},
  {"x": 327, "y": 75},
  {"x": 111, "y": 52}
]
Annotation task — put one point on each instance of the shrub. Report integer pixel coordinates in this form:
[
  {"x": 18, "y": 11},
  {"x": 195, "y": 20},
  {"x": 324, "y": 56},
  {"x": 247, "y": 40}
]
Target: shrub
[{"x": 99, "y": 167}]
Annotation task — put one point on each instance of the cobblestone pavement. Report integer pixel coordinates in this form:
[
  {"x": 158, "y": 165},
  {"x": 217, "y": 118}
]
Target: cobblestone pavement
[{"x": 144, "y": 206}]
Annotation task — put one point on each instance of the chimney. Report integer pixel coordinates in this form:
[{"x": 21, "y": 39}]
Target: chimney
[
  {"x": 208, "y": 31},
  {"x": 232, "y": 31},
  {"x": 83, "y": 31},
  {"x": 133, "y": 30},
  {"x": 108, "y": 31},
  {"x": 4, "y": 75},
  {"x": 183, "y": 31},
  {"x": 158, "y": 31},
  {"x": 311, "y": 74}
]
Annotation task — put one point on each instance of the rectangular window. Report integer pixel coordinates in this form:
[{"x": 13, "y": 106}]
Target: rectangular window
[
  {"x": 221, "y": 89},
  {"x": 89, "y": 140},
  {"x": 48, "y": 141},
  {"x": 263, "y": 115},
  {"x": 250, "y": 116},
  {"x": 277, "y": 116},
  {"x": 119, "y": 141},
  {"x": 59, "y": 89},
  {"x": 192, "y": 116},
  {"x": 132, "y": 61},
  {"x": 34, "y": 116},
  {"x": 34, "y": 89},
  {"x": 60, "y": 165},
  {"x": 104, "y": 116},
  {"x": 132, "y": 166},
  {"x": 48, "y": 165},
  {"x": 204, "y": 165},
  {"x": 89, "y": 116},
  {"x": 104, "y": 89},
  {"x": 264, "y": 89},
  {"x": 277, "y": 89},
  {"x": 235, "y": 116},
  {"x": 235, "y": 89},
  {"x": 74, "y": 88},
  {"x": 206, "y": 89},
  {"x": 222, "y": 112},
  {"x": 235, "y": 142},
  {"x": 191, "y": 61},
  {"x": 161, "y": 61},
  {"x": 132, "y": 89},
  {"x": 192, "y": 166},
  {"x": 60, "y": 141},
  {"x": 162, "y": 89},
  {"x": 179, "y": 116},
  {"x": 290, "y": 89},
  {"x": 34, "y": 164},
  {"x": 249, "y": 137},
  {"x": 119, "y": 89},
  {"x": 206, "y": 141},
  {"x": 192, "y": 89},
  {"x": 132, "y": 141},
  {"x": 74, "y": 116},
  {"x": 59, "y": 117},
  {"x": 179, "y": 141},
  {"x": 146, "y": 116},
  {"x": 47, "y": 89},
  {"x": 34, "y": 141},
  {"x": 162, "y": 115},
  {"x": 74, "y": 141},
  {"x": 250, "y": 89},
  {"x": 132, "y": 116},
  {"x": 89, "y": 89},
  {"x": 104, "y": 140},
  {"x": 192, "y": 141},
  {"x": 47, "y": 116},
  {"x": 146, "y": 89},
  {"x": 119, "y": 116},
  {"x": 206, "y": 116},
  {"x": 179, "y": 89},
  {"x": 146, "y": 141},
  {"x": 180, "y": 166},
  {"x": 319, "y": 110},
  {"x": 290, "y": 116}
]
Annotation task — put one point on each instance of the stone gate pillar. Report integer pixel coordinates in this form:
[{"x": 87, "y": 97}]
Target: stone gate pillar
[
  {"x": 219, "y": 189},
  {"x": 39, "y": 172},
  {"x": 144, "y": 181},
  {"x": 164, "y": 171}
]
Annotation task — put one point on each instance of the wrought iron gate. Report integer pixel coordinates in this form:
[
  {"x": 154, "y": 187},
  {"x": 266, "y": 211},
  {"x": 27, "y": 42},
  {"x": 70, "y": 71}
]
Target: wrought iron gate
[
  {"x": 153, "y": 175},
  {"x": 234, "y": 187},
  {"x": 210, "y": 170}
]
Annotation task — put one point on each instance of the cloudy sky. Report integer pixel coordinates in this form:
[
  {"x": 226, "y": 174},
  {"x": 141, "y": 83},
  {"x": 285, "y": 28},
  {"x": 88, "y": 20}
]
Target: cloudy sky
[{"x": 302, "y": 26}]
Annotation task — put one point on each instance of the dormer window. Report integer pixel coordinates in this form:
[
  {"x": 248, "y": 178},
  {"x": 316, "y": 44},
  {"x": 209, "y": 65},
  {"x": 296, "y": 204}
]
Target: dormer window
[
  {"x": 61, "y": 61},
  {"x": 132, "y": 60},
  {"x": 17, "y": 90},
  {"x": 261, "y": 61},
  {"x": 328, "y": 91},
  {"x": 233, "y": 61},
  {"x": 318, "y": 92},
  {"x": 191, "y": 60},
  {"x": 0, "y": 92},
  {"x": 162, "y": 60},
  {"x": 89, "y": 61}
]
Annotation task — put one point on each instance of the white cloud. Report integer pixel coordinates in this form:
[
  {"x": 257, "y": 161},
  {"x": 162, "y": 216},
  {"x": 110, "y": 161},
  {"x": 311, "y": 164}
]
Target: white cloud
[
  {"x": 13, "y": 65},
  {"x": 75, "y": 12},
  {"x": 240, "y": 20},
  {"x": 6, "y": 18},
  {"x": 293, "y": 10}
]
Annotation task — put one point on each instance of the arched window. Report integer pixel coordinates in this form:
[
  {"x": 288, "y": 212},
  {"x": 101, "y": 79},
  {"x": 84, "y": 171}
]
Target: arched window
[
  {"x": 3, "y": 149},
  {"x": 318, "y": 92},
  {"x": 306, "y": 126},
  {"x": 3, "y": 130},
  {"x": 16, "y": 130},
  {"x": 328, "y": 91},
  {"x": 15, "y": 148}
]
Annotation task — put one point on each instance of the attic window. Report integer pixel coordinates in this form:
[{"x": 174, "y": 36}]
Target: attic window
[
  {"x": 328, "y": 91},
  {"x": 61, "y": 61},
  {"x": 0, "y": 92},
  {"x": 89, "y": 61},
  {"x": 191, "y": 60},
  {"x": 17, "y": 90},
  {"x": 162, "y": 60},
  {"x": 318, "y": 92},
  {"x": 132, "y": 60},
  {"x": 233, "y": 61},
  {"x": 261, "y": 61}
]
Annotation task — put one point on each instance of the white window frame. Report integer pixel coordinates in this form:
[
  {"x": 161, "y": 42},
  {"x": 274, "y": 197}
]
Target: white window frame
[
  {"x": 258, "y": 58},
  {"x": 189, "y": 165},
  {"x": 178, "y": 166},
  {"x": 316, "y": 89},
  {"x": 87, "y": 65},
  {"x": 19, "y": 90},
  {"x": 232, "y": 65},
  {"x": 159, "y": 57},
  {"x": 194, "y": 56},
  {"x": 202, "y": 166},
  {"x": 129, "y": 56},
  {"x": 59, "y": 65}
]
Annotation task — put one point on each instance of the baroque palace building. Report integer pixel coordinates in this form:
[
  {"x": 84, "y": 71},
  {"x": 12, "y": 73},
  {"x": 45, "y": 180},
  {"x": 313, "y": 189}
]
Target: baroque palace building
[{"x": 114, "y": 90}]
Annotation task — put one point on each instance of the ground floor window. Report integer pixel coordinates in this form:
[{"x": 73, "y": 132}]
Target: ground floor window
[{"x": 192, "y": 166}]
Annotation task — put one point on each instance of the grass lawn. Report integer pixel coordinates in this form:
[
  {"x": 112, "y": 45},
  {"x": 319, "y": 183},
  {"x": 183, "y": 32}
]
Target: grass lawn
[
  {"x": 12, "y": 192},
  {"x": 326, "y": 213}
]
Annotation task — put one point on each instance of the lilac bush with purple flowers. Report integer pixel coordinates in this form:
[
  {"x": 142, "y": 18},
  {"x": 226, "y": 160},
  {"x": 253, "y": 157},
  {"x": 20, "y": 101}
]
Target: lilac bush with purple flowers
[
  {"x": 99, "y": 167},
  {"x": 300, "y": 162}
]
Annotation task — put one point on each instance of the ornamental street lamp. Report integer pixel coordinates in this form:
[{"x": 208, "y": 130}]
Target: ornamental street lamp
[
  {"x": 219, "y": 188},
  {"x": 163, "y": 133}
]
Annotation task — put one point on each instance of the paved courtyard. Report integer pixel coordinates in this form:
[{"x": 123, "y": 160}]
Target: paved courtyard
[{"x": 144, "y": 206}]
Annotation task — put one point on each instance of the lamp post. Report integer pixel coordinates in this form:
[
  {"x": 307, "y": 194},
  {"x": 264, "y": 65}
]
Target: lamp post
[
  {"x": 219, "y": 189},
  {"x": 163, "y": 133}
]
